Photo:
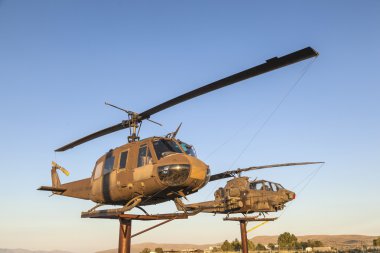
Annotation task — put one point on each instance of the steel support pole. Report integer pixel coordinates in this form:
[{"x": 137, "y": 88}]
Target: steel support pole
[
  {"x": 125, "y": 232},
  {"x": 244, "y": 241}
]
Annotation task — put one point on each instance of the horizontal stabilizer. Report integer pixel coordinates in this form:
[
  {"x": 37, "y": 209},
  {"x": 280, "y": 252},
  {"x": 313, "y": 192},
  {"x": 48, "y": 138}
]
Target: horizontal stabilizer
[{"x": 53, "y": 189}]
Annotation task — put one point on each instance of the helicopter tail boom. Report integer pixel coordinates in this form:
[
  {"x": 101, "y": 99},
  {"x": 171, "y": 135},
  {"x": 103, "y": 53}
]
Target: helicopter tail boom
[{"x": 78, "y": 189}]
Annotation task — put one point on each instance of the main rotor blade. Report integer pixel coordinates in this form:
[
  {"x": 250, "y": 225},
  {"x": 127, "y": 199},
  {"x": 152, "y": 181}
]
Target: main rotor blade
[
  {"x": 232, "y": 173},
  {"x": 95, "y": 135},
  {"x": 269, "y": 65}
]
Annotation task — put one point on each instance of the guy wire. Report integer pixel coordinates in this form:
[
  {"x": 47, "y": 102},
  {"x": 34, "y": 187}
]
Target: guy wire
[
  {"x": 312, "y": 176},
  {"x": 273, "y": 112},
  {"x": 303, "y": 72}
]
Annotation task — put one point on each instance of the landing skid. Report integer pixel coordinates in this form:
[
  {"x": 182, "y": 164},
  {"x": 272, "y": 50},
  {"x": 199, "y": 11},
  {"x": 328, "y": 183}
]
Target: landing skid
[{"x": 115, "y": 211}]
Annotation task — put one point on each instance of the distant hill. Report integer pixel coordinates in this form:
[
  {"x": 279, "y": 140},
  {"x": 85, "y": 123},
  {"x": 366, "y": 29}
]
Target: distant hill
[
  {"x": 340, "y": 241},
  {"x": 136, "y": 248},
  {"x": 30, "y": 251}
]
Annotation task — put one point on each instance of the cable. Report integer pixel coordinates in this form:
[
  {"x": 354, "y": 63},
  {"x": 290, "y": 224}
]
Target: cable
[
  {"x": 274, "y": 111},
  {"x": 303, "y": 72},
  {"x": 312, "y": 176}
]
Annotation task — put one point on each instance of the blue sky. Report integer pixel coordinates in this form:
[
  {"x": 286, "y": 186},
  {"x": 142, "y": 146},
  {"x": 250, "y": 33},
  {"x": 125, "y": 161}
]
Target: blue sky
[{"x": 61, "y": 60}]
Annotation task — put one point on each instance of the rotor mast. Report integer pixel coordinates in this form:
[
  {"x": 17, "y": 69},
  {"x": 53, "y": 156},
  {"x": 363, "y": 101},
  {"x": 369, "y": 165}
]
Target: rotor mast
[{"x": 134, "y": 124}]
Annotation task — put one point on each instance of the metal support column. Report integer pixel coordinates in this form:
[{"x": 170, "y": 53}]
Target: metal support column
[
  {"x": 244, "y": 240},
  {"x": 125, "y": 235}
]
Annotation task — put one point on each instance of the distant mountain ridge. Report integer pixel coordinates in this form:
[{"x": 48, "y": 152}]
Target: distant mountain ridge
[
  {"x": 136, "y": 248},
  {"x": 341, "y": 241},
  {"x": 31, "y": 251}
]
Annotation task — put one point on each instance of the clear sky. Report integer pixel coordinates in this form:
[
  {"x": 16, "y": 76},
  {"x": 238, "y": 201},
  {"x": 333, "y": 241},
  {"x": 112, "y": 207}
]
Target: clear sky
[{"x": 61, "y": 60}]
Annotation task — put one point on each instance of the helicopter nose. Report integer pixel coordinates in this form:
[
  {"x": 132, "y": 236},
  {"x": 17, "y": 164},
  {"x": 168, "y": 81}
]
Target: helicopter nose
[
  {"x": 291, "y": 195},
  {"x": 199, "y": 170}
]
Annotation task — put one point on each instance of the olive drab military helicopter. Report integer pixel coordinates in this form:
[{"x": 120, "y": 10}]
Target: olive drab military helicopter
[
  {"x": 240, "y": 195},
  {"x": 159, "y": 169}
]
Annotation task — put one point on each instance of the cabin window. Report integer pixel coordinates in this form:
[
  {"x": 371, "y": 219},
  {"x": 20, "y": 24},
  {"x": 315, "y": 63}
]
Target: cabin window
[
  {"x": 267, "y": 186},
  {"x": 165, "y": 147},
  {"x": 274, "y": 187},
  {"x": 109, "y": 164},
  {"x": 98, "y": 169},
  {"x": 256, "y": 186},
  {"x": 123, "y": 160},
  {"x": 145, "y": 156}
]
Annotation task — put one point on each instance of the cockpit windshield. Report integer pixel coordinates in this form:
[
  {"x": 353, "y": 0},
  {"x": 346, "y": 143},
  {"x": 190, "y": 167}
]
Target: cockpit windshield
[
  {"x": 265, "y": 186},
  {"x": 165, "y": 147},
  {"x": 188, "y": 148}
]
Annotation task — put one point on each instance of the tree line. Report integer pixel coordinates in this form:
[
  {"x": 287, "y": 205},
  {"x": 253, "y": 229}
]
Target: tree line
[{"x": 285, "y": 241}]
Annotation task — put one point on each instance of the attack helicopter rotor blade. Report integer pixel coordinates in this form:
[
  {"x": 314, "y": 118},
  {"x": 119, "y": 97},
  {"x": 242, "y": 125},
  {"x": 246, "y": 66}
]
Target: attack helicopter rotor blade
[
  {"x": 232, "y": 173},
  {"x": 95, "y": 135},
  {"x": 269, "y": 65}
]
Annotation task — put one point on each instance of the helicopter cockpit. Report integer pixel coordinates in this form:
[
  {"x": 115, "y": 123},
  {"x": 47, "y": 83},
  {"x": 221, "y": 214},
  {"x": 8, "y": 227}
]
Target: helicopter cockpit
[
  {"x": 165, "y": 147},
  {"x": 265, "y": 186}
]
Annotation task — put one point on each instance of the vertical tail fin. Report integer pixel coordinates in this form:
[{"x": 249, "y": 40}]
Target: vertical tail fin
[{"x": 56, "y": 182}]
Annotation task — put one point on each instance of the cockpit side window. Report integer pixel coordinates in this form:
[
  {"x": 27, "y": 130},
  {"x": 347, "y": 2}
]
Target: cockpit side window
[
  {"x": 188, "y": 149},
  {"x": 274, "y": 187},
  {"x": 98, "y": 169},
  {"x": 164, "y": 147},
  {"x": 145, "y": 156},
  {"x": 267, "y": 186},
  {"x": 257, "y": 186}
]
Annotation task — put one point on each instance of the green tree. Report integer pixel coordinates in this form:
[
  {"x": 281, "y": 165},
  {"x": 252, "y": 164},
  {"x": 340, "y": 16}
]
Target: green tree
[
  {"x": 260, "y": 247},
  {"x": 226, "y": 246},
  {"x": 287, "y": 241},
  {"x": 146, "y": 250},
  {"x": 159, "y": 250},
  {"x": 251, "y": 245},
  {"x": 271, "y": 246},
  {"x": 236, "y": 245},
  {"x": 376, "y": 242}
]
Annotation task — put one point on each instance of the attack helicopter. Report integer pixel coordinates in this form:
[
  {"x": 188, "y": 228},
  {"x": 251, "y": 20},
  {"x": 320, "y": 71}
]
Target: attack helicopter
[
  {"x": 240, "y": 195},
  {"x": 159, "y": 169}
]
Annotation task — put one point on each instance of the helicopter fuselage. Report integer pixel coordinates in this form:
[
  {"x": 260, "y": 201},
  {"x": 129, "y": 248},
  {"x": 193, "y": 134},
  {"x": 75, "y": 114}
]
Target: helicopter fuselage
[{"x": 154, "y": 170}]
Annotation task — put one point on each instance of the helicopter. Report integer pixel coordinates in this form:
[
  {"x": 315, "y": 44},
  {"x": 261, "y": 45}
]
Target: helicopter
[
  {"x": 240, "y": 195},
  {"x": 155, "y": 169}
]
